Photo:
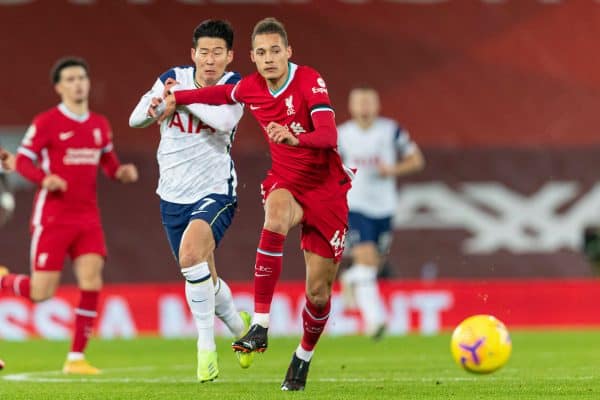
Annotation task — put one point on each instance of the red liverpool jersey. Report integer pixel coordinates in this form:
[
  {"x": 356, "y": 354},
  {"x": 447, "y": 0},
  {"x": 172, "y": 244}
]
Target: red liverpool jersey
[
  {"x": 71, "y": 147},
  {"x": 303, "y": 94}
]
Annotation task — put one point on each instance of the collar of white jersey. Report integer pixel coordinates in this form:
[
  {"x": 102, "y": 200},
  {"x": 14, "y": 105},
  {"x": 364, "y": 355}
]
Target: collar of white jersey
[
  {"x": 71, "y": 115},
  {"x": 221, "y": 81},
  {"x": 291, "y": 72}
]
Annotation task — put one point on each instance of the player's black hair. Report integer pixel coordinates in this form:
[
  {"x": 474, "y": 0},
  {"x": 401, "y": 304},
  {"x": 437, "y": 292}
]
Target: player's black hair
[
  {"x": 270, "y": 25},
  {"x": 66, "y": 63},
  {"x": 214, "y": 28}
]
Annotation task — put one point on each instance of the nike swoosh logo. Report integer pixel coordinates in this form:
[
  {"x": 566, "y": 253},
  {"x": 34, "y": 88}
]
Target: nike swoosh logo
[
  {"x": 254, "y": 107},
  {"x": 198, "y": 301},
  {"x": 65, "y": 135},
  {"x": 198, "y": 212}
]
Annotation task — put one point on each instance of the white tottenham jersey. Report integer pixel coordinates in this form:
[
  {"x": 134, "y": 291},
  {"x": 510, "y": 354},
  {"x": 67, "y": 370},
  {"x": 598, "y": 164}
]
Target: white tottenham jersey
[
  {"x": 382, "y": 143},
  {"x": 194, "y": 151}
]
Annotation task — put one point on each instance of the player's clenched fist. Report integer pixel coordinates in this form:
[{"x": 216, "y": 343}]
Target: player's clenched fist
[
  {"x": 281, "y": 134},
  {"x": 127, "y": 173},
  {"x": 54, "y": 183},
  {"x": 7, "y": 160},
  {"x": 169, "y": 108}
]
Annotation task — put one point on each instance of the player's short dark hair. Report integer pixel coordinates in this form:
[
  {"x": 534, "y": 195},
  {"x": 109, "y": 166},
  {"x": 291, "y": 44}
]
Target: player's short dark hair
[
  {"x": 66, "y": 63},
  {"x": 270, "y": 25},
  {"x": 214, "y": 28}
]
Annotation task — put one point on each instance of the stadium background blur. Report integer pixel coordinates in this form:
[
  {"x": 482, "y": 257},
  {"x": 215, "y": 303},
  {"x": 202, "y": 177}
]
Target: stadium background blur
[{"x": 502, "y": 97}]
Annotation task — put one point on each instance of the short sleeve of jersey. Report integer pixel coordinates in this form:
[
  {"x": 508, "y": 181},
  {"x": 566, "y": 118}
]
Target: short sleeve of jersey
[
  {"x": 404, "y": 143},
  {"x": 35, "y": 139},
  {"x": 315, "y": 91},
  {"x": 107, "y": 145},
  {"x": 239, "y": 92}
]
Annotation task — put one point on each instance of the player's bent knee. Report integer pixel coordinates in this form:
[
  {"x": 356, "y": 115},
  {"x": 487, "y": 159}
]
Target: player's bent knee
[{"x": 318, "y": 297}]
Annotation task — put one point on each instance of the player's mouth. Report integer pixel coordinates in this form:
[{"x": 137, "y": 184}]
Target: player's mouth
[{"x": 271, "y": 69}]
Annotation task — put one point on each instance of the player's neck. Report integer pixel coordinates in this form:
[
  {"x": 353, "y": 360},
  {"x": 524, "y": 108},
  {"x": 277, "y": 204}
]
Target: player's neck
[
  {"x": 276, "y": 84},
  {"x": 77, "y": 108},
  {"x": 364, "y": 123}
]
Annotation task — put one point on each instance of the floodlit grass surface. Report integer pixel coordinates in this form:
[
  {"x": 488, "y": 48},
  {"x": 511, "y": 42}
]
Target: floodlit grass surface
[{"x": 544, "y": 365}]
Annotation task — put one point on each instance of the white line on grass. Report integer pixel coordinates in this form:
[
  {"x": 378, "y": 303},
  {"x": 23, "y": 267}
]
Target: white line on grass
[{"x": 58, "y": 377}]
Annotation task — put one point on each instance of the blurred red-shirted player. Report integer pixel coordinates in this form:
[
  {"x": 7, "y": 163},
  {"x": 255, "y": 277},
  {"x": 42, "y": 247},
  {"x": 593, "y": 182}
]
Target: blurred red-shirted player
[
  {"x": 307, "y": 183},
  {"x": 61, "y": 153}
]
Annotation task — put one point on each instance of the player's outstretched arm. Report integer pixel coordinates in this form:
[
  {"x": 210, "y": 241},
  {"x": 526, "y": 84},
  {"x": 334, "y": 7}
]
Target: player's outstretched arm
[{"x": 213, "y": 95}]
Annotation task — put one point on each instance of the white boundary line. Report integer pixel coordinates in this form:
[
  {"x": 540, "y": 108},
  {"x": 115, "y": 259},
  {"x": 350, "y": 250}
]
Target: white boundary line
[{"x": 58, "y": 377}]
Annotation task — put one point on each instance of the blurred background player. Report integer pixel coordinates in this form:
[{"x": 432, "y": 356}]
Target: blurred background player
[
  {"x": 380, "y": 150},
  {"x": 7, "y": 200},
  {"x": 307, "y": 184},
  {"x": 61, "y": 153},
  {"x": 197, "y": 184}
]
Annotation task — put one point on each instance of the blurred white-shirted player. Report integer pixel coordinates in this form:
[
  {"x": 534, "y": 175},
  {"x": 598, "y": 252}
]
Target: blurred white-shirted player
[
  {"x": 197, "y": 183},
  {"x": 380, "y": 150}
]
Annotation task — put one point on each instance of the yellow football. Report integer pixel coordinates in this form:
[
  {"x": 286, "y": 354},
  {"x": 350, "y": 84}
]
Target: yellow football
[{"x": 481, "y": 344}]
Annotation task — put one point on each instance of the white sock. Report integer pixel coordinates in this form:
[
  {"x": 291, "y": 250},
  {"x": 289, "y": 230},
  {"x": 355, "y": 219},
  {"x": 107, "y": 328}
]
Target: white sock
[
  {"x": 200, "y": 295},
  {"x": 225, "y": 309},
  {"x": 75, "y": 356},
  {"x": 304, "y": 354},
  {"x": 261, "y": 319},
  {"x": 368, "y": 298}
]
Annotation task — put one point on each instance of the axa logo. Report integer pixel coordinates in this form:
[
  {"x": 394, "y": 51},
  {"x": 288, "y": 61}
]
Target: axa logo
[
  {"x": 499, "y": 218},
  {"x": 289, "y": 103}
]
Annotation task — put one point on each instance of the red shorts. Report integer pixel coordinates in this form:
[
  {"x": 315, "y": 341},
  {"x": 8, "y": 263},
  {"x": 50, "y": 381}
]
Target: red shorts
[
  {"x": 50, "y": 244},
  {"x": 325, "y": 220}
]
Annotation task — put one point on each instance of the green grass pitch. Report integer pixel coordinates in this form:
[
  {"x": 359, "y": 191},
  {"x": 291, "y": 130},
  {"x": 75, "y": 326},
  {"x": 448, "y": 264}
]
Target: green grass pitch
[{"x": 544, "y": 365}]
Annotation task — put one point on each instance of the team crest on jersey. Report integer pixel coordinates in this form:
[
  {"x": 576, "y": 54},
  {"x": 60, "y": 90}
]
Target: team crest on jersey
[
  {"x": 97, "y": 136},
  {"x": 289, "y": 102}
]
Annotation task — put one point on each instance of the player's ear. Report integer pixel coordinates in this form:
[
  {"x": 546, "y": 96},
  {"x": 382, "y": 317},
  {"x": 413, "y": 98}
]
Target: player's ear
[
  {"x": 193, "y": 55},
  {"x": 229, "y": 56},
  {"x": 289, "y": 51},
  {"x": 252, "y": 56},
  {"x": 57, "y": 89}
]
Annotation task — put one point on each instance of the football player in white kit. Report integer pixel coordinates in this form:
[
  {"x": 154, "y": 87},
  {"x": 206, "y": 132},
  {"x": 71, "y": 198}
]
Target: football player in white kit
[
  {"x": 197, "y": 184},
  {"x": 380, "y": 150}
]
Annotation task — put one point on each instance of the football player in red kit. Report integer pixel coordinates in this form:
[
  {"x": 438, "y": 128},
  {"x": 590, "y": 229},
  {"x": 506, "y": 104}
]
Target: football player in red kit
[
  {"x": 61, "y": 153},
  {"x": 306, "y": 185}
]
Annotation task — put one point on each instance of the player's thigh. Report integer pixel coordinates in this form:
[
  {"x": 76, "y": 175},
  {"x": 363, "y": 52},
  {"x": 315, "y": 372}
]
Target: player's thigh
[
  {"x": 49, "y": 247},
  {"x": 362, "y": 239},
  {"x": 43, "y": 284},
  {"x": 174, "y": 218},
  {"x": 88, "y": 271},
  {"x": 282, "y": 211},
  {"x": 320, "y": 275},
  {"x": 197, "y": 243},
  {"x": 209, "y": 219}
]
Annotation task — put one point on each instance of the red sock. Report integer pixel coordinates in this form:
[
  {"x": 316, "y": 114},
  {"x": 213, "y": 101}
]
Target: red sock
[
  {"x": 267, "y": 269},
  {"x": 85, "y": 314},
  {"x": 314, "y": 319},
  {"x": 16, "y": 284}
]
